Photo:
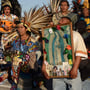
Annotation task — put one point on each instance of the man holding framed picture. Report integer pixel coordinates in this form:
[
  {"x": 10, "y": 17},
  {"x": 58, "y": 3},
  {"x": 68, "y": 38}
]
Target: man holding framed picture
[{"x": 80, "y": 53}]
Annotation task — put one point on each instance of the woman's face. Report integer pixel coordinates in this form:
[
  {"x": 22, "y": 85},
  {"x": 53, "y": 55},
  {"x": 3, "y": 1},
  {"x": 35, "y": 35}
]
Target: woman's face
[
  {"x": 7, "y": 10},
  {"x": 21, "y": 29}
]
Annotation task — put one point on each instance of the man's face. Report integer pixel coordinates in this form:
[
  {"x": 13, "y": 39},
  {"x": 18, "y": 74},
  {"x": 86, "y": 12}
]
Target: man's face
[
  {"x": 21, "y": 29},
  {"x": 64, "y": 7},
  {"x": 7, "y": 11},
  {"x": 64, "y": 21}
]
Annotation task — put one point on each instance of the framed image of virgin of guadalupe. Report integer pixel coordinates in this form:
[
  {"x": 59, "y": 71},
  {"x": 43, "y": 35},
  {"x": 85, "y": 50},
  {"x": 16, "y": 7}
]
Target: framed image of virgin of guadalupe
[{"x": 58, "y": 50}]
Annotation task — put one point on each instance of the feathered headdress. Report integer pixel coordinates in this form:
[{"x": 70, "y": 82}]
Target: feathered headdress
[
  {"x": 35, "y": 19},
  {"x": 6, "y": 3},
  {"x": 53, "y": 6}
]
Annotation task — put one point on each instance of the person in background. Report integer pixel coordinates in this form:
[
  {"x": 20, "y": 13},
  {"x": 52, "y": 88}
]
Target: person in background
[
  {"x": 24, "y": 49},
  {"x": 85, "y": 16},
  {"x": 64, "y": 11},
  {"x": 6, "y": 15},
  {"x": 6, "y": 22},
  {"x": 6, "y": 26},
  {"x": 83, "y": 25}
]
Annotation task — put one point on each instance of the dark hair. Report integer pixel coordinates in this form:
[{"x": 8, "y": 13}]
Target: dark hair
[
  {"x": 67, "y": 18},
  {"x": 2, "y": 9},
  {"x": 6, "y": 6},
  {"x": 28, "y": 32},
  {"x": 64, "y": 1},
  {"x": 81, "y": 26}
]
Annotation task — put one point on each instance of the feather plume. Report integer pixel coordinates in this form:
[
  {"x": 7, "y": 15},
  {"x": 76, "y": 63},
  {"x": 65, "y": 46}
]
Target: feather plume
[
  {"x": 37, "y": 19},
  {"x": 53, "y": 6}
]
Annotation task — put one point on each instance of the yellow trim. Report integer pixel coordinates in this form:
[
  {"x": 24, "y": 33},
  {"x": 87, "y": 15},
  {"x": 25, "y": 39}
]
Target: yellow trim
[{"x": 25, "y": 26}]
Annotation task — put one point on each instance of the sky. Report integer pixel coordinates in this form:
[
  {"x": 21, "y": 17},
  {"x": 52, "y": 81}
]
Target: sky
[{"x": 27, "y": 4}]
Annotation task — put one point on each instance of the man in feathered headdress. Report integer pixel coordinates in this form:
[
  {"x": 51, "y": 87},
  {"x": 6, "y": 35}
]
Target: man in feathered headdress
[{"x": 24, "y": 45}]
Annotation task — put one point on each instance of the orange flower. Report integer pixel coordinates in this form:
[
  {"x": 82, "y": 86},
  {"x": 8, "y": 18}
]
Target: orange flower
[{"x": 68, "y": 47}]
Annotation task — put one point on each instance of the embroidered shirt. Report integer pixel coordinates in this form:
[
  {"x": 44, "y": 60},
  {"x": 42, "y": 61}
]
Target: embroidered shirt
[
  {"x": 9, "y": 18},
  {"x": 23, "y": 47}
]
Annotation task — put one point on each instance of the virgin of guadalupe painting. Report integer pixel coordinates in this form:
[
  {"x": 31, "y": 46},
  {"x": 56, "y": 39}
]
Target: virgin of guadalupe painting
[{"x": 58, "y": 50}]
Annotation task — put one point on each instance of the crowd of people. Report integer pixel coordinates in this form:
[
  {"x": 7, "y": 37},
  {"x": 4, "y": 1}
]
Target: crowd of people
[{"x": 21, "y": 49}]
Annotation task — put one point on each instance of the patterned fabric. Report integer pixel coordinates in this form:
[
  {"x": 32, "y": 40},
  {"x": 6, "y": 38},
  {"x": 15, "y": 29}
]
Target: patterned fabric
[
  {"x": 3, "y": 76},
  {"x": 24, "y": 58},
  {"x": 87, "y": 20},
  {"x": 58, "y": 42},
  {"x": 1, "y": 54},
  {"x": 58, "y": 50},
  {"x": 9, "y": 18},
  {"x": 32, "y": 59},
  {"x": 22, "y": 47},
  {"x": 6, "y": 18}
]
